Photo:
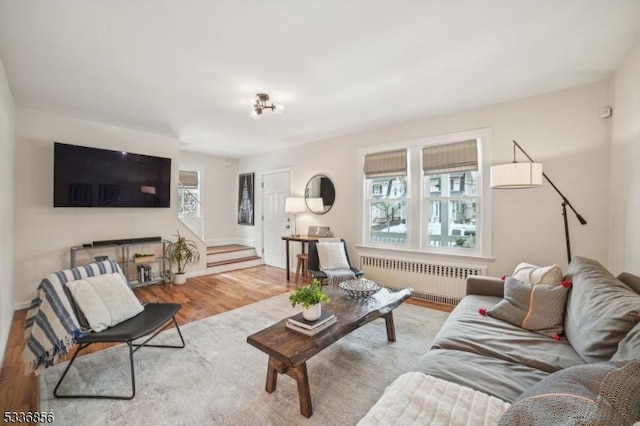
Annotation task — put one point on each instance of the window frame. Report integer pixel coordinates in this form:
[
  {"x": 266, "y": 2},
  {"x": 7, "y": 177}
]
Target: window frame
[
  {"x": 370, "y": 199},
  {"x": 417, "y": 215},
  {"x": 200, "y": 191}
]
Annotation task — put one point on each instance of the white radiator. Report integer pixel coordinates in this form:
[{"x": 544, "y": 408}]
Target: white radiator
[{"x": 434, "y": 282}]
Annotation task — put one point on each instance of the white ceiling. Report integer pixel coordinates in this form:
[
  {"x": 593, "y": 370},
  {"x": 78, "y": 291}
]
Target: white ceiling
[{"x": 186, "y": 67}]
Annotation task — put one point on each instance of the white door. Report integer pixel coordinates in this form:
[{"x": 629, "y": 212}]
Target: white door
[{"x": 276, "y": 222}]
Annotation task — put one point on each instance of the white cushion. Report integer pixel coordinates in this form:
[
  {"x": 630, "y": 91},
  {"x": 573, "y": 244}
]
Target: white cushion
[
  {"x": 418, "y": 399},
  {"x": 332, "y": 256},
  {"x": 105, "y": 300},
  {"x": 549, "y": 275}
]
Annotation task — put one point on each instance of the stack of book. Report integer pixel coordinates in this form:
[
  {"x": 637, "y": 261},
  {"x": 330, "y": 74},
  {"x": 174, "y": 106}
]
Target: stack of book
[{"x": 301, "y": 325}]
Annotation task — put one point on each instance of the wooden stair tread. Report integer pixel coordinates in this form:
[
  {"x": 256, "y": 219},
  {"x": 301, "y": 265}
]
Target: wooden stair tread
[
  {"x": 227, "y": 248},
  {"x": 230, "y": 261}
]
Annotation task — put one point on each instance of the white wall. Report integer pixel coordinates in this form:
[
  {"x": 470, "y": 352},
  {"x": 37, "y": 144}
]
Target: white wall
[
  {"x": 219, "y": 198},
  {"x": 562, "y": 130},
  {"x": 7, "y": 236},
  {"x": 45, "y": 234},
  {"x": 625, "y": 169}
]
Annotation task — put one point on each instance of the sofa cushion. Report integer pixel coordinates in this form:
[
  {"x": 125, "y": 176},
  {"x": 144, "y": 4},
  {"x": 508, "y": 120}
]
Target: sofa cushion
[
  {"x": 599, "y": 394},
  {"x": 629, "y": 347},
  {"x": 502, "y": 379},
  {"x": 549, "y": 275},
  {"x": 419, "y": 399},
  {"x": 600, "y": 310},
  {"x": 536, "y": 307},
  {"x": 467, "y": 330},
  {"x": 632, "y": 281}
]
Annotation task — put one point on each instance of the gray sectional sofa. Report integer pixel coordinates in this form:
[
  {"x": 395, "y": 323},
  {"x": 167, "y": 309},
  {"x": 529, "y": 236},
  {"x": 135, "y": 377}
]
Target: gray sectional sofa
[{"x": 486, "y": 354}]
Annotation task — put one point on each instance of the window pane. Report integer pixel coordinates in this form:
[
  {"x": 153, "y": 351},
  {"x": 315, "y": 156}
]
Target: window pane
[
  {"x": 435, "y": 185},
  {"x": 461, "y": 184},
  {"x": 393, "y": 187},
  {"x": 188, "y": 205},
  {"x": 452, "y": 223},
  {"x": 388, "y": 221},
  {"x": 435, "y": 224},
  {"x": 462, "y": 223}
]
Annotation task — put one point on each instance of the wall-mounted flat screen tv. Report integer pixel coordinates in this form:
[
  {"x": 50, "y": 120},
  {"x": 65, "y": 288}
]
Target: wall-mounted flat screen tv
[{"x": 92, "y": 177}]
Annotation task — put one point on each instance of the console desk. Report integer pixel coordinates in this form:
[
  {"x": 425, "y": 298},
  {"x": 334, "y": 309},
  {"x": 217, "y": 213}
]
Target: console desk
[{"x": 303, "y": 239}]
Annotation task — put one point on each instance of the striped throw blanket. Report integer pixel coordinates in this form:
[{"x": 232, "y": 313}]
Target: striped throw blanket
[
  {"x": 336, "y": 276},
  {"x": 51, "y": 325}
]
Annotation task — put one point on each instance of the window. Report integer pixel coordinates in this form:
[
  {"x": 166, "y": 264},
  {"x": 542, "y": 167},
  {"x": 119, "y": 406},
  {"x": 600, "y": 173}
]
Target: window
[
  {"x": 189, "y": 206},
  {"x": 453, "y": 212},
  {"x": 429, "y": 195},
  {"x": 451, "y": 194},
  {"x": 387, "y": 197}
]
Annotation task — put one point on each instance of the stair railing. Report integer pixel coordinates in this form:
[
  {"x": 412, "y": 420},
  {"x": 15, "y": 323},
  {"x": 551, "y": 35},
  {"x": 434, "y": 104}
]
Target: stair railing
[{"x": 191, "y": 211}]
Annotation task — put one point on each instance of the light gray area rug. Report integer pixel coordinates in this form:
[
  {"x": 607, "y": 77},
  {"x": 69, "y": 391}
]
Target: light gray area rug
[{"x": 219, "y": 379}]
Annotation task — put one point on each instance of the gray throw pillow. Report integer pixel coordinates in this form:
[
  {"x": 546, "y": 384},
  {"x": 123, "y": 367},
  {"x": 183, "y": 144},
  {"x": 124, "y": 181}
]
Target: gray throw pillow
[
  {"x": 631, "y": 281},
  {"x": 539, "y": 308},
  {"x": 629, "y": 347},
  {"x": 600, "y": 311},
  {"x": 600, "y": 394}
]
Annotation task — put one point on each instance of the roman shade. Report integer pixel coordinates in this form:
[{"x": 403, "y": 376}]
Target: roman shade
[
  {"x": 386, "y": 164},
  {"x": 451, "y": 157},
  {"x": 189, "y": 179}
]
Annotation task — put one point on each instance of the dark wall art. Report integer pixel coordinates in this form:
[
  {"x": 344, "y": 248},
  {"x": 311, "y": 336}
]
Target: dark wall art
[{"x": 245, "y": 199}]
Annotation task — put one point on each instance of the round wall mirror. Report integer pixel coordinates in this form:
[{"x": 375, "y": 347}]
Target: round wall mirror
[{"x": 319, "y": 194}]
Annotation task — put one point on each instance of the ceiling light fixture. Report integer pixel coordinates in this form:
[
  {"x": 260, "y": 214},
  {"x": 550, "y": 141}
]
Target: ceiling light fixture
[{"x": 259, "y": 104}]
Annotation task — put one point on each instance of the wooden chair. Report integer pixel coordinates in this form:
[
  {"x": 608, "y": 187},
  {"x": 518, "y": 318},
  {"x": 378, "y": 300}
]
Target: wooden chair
[{"x": 302, "y": 265}]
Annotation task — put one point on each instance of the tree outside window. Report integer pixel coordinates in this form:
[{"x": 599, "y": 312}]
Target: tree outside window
[{"x": 388, "y": 208}]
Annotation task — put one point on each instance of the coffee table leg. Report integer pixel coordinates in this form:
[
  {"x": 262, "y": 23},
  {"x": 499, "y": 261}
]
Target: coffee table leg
[
  {"x": 304, "y": 392},
  {"x": 299, "y": 373},
  {"x": 272, "y": 375},
  {"x": 391, "y": 329}
]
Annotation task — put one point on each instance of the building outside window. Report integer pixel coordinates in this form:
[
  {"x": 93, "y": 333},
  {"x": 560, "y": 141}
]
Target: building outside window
[{"x": 453, "y": 212}]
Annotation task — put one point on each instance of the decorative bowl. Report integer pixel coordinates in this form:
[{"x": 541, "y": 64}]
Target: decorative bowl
[{"x": 360, "y": 288}]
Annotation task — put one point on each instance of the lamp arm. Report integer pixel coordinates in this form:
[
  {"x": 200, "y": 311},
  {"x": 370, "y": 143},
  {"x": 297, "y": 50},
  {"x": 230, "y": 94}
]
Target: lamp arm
[{"x": 564, "y": 199}]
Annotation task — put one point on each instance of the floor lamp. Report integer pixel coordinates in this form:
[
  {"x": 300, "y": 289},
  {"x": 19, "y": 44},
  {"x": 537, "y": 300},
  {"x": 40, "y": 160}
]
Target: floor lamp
[{"x": 529, "y": 175}]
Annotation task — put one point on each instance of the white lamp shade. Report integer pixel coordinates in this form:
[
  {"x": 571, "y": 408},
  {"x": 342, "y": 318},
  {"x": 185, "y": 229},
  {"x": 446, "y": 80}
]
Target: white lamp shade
[
  {"x": 294, "y": 205},
  {"x": 315, "y": 204},
  {"x": 516, "y": 175}
]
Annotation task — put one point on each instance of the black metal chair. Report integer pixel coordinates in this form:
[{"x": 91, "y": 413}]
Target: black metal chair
[
  {"x": 314, "y": 262},
  {"x": 155, "y": 318}
]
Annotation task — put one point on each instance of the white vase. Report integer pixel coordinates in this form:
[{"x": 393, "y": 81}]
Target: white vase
[
  {"x": 179, "y": 278},
  {"x": 312, "y": 313}
]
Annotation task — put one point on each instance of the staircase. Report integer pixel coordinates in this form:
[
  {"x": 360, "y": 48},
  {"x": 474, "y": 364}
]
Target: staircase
[{"x": 231, "y": 257}]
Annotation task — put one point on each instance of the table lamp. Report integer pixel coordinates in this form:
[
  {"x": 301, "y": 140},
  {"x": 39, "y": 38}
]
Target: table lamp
[{"x": 295, "y": 205}]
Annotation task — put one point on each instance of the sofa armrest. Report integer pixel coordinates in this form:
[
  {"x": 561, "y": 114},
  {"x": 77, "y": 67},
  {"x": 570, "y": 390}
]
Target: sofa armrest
[{"x": 485, "y": 286}]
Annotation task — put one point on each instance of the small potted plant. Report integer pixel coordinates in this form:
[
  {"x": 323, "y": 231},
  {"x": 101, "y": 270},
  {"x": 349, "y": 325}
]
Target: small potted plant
[
  {"x": 310, "y": 297},
  {"x": 184, "y": 252}
]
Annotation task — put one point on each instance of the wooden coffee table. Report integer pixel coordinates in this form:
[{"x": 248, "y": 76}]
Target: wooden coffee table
[{"x": 289, "y": 351}]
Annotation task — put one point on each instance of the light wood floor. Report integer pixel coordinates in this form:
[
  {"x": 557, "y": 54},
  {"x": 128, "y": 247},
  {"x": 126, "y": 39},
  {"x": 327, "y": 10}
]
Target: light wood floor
[{"x": 200, "y": 297}]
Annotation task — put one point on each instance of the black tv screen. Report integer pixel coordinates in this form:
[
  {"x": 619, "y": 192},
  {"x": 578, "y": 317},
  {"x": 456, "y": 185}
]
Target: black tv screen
[{"x": 92, "y": 177}]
